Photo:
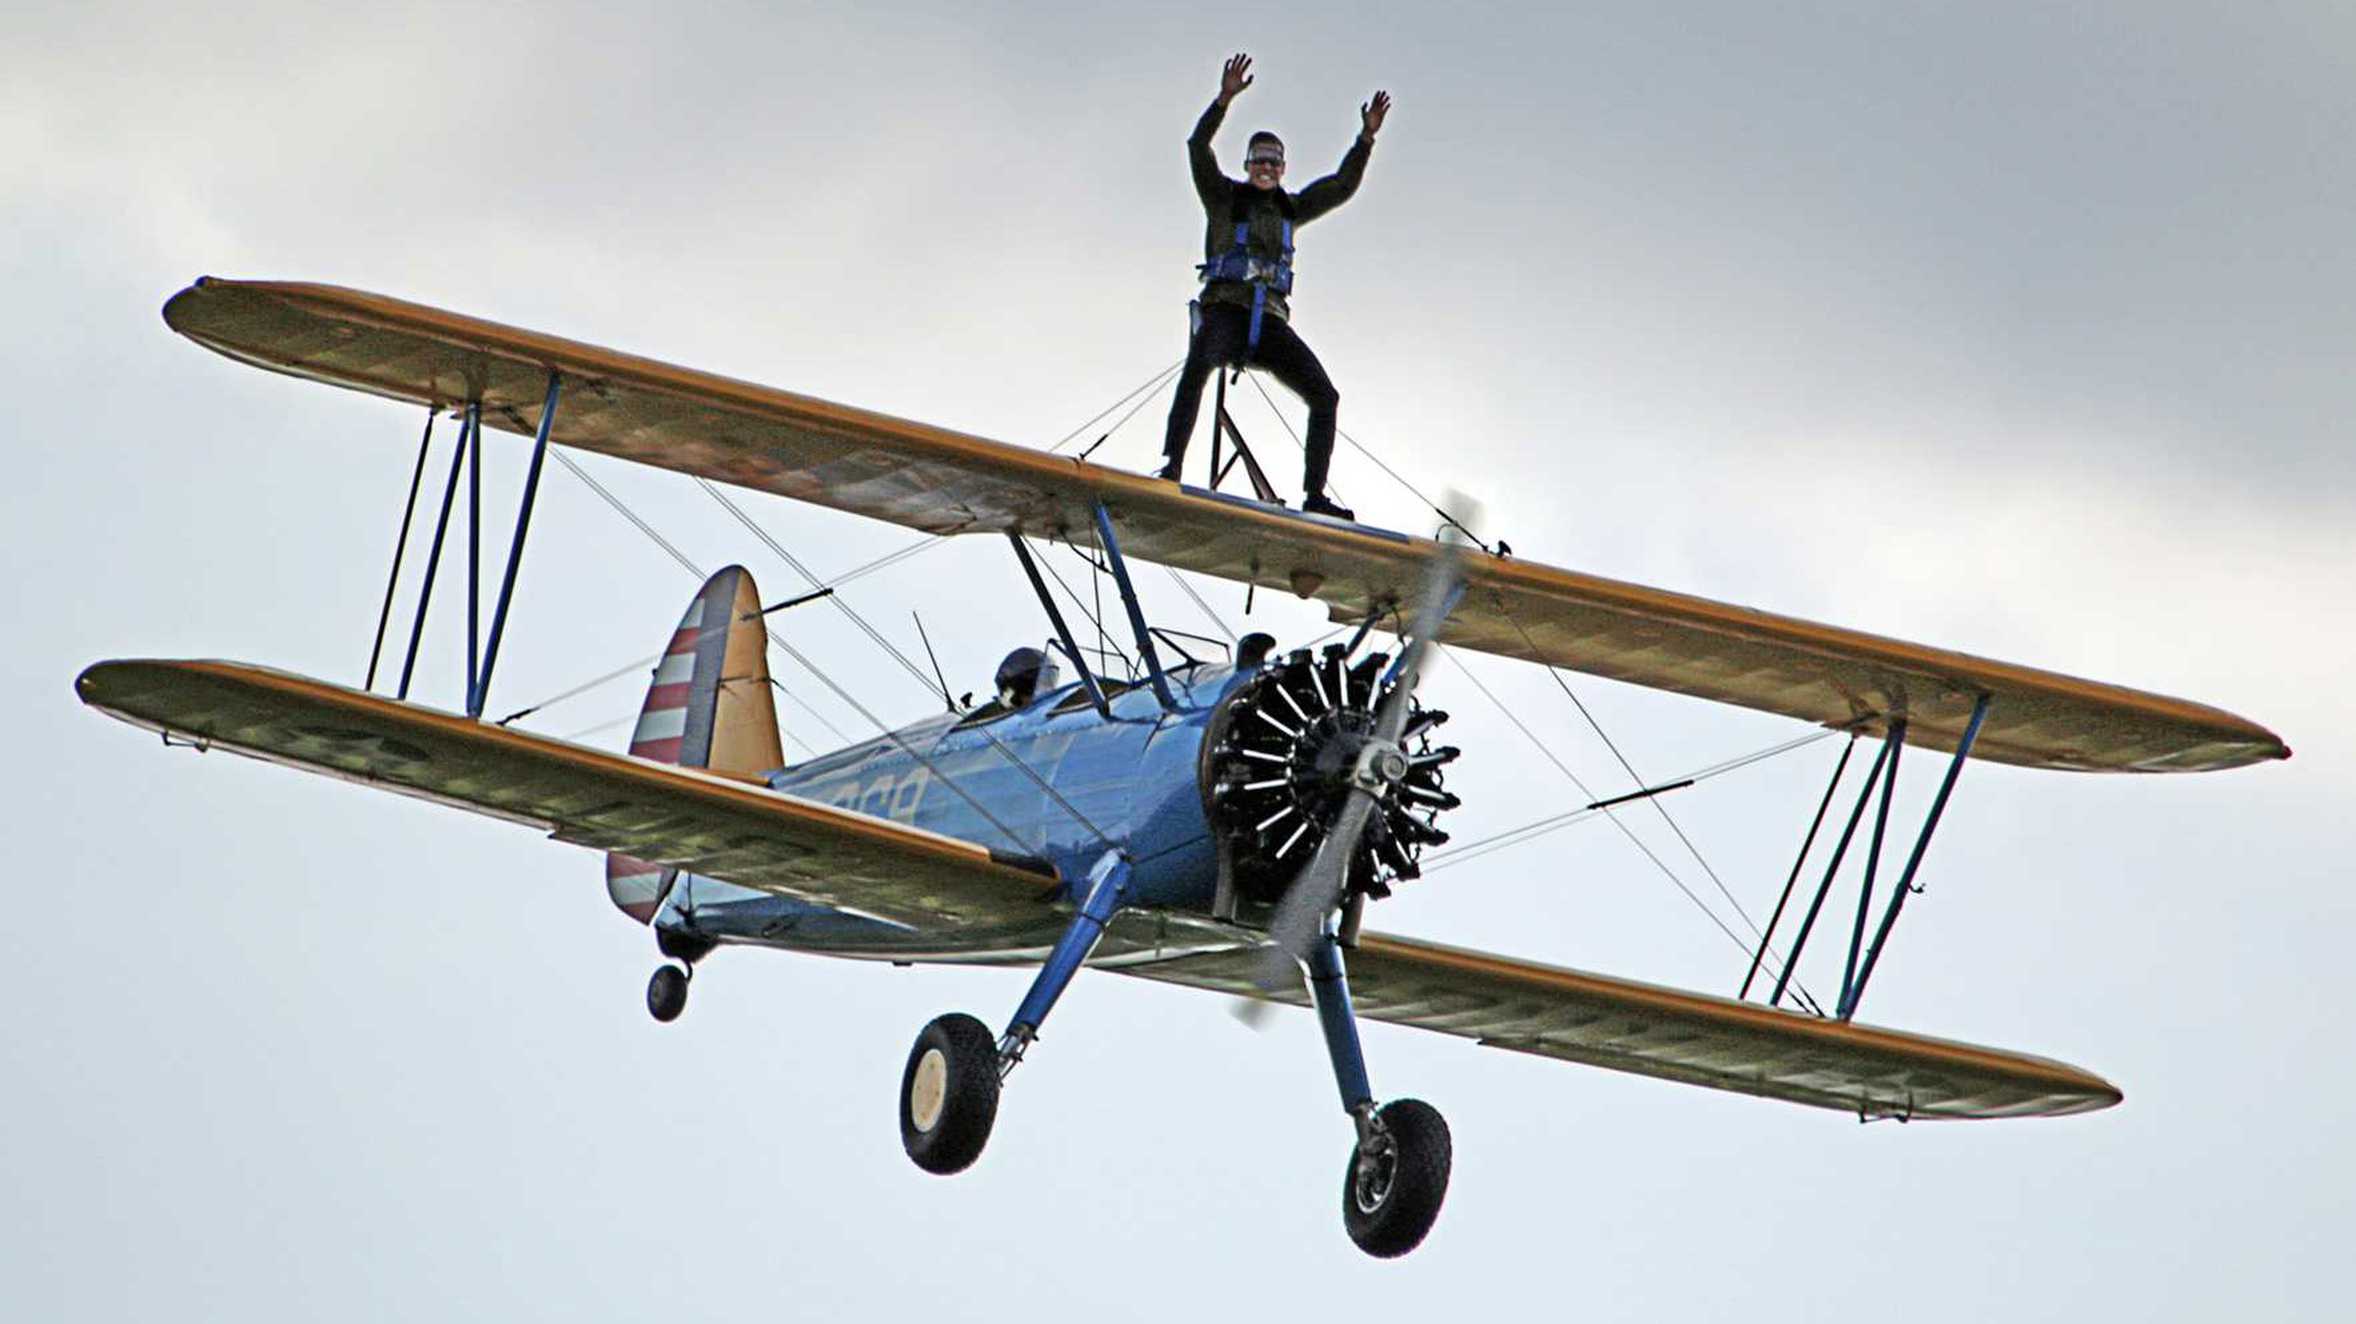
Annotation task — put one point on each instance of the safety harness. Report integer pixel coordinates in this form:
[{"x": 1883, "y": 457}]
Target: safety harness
[{"x": 1239, "y": 264}]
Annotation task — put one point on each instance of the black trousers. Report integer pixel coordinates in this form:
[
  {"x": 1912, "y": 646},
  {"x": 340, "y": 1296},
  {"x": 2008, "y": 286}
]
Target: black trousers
[{"x": 1220, "y": 342}]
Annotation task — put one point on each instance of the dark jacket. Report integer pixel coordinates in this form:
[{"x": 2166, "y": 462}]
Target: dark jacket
[{"x": 1225, "y": 201}]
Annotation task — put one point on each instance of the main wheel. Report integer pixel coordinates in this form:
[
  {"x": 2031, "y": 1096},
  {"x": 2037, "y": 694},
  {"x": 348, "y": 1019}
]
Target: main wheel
[
  {"x": 1392, "y": 1190},
  {"x": 666, "y": 993},
  {"x": 949, "y": 1094}
]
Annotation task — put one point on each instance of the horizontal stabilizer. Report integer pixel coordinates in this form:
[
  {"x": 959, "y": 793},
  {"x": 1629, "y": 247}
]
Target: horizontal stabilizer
[{"x": 945, "y": 482}]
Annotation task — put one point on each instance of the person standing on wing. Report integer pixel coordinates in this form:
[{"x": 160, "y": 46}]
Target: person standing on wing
[{"x": 1242, "y": 317}]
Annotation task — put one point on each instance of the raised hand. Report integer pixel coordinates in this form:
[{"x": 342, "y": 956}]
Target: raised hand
[
  {"x": 1234, "y": 77},
  {"x": 1370, "y": 115}
]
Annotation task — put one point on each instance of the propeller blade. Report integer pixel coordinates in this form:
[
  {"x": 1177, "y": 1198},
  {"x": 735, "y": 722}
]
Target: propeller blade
[{"x": 1318, "y": 888}]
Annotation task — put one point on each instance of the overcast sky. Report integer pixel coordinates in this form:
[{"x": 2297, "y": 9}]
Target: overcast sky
[{"x": 2021, "y": 329}]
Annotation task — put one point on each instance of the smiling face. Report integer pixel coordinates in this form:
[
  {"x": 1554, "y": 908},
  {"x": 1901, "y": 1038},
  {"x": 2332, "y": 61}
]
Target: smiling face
[{"x": 1264, "y": 162}]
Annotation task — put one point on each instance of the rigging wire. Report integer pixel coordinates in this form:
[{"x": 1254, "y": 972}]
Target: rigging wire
[
  {"x": 1140, "y": 393},
  {"x": 1625, "y": 830},
  {"x": 1136, "y": 393},
  {"x": 713, "y": 491},
  {"x": 1460, "y": 854},
  {"x": 693, "y": 569},
  {"x": 1662, "y": 810},
  {"x": 796, "y": 654},
  {"x": 910, "y": 750},
  {"x": 1180, "y": 581},
  {"x": 908, "y": 664},
  {"x": 1299, "y": 445},
  {"x": 588, "y": 731},
  {"x": 1625, "y": 766},
  {"x": 1395, "y": 477},
  {"x": 1095, "y": 613}
]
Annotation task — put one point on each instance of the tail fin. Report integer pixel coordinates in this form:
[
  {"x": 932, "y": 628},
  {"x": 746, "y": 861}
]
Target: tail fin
[{"x": 709, "y": 707}]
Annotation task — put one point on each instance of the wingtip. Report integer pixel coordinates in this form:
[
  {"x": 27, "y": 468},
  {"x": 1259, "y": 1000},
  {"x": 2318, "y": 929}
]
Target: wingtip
[{"x": 176, "y": 308}]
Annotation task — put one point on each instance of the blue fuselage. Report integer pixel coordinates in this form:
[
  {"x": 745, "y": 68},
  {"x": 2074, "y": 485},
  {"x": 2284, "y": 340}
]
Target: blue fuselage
[{"x": 1052, "y": 780}]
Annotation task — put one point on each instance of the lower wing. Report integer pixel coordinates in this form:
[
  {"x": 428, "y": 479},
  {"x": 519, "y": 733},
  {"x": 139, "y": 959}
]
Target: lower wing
[
  {"x": 743, "y": 832},
  {"x": 1692, "y": 1038},
  {"x": 731, "y": 828}
]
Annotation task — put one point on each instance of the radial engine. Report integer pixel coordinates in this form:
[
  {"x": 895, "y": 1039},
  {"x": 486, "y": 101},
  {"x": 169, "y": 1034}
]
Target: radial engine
[{"x": 1276, "y": 771}]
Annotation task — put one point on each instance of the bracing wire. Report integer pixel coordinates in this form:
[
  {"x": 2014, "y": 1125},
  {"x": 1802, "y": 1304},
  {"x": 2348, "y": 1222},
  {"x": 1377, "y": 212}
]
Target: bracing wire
[
  {"x": 1450, "y": 519},
  {"x": 1180, "y": 581},
  {"x": 1625, "y": 766},
  {"x": 796, "y": 654},
  {"x": 1625, "y": 830},
  {"x": 1093, "y": 611},
  {"x": 1395, "y": 477},
  {"x": 1299, "y": 445},
  {"x": 1139, "y": 394},
  {"x": 777, "y": 548},
  {"x": 908, "y": 664},
  {"x": 1134, "y": 398},
  {"x": 685, "y": 563},
  {"x": 1472, "y": 850}
]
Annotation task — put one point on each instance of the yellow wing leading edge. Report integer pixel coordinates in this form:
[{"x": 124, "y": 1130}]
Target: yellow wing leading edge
[{"x": 945, "y": 482}]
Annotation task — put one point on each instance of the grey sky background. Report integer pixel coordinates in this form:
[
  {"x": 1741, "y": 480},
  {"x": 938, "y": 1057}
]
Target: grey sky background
[{"x": 2022, "y": 329}]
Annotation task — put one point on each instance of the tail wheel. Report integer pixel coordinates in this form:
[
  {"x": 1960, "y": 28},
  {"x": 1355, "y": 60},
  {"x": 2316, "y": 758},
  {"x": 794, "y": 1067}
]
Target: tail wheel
[
  {"x": 666, "y": 993},
  {"x": 949, "y": 1094},
  {"x": 1397, "y": 1177}
]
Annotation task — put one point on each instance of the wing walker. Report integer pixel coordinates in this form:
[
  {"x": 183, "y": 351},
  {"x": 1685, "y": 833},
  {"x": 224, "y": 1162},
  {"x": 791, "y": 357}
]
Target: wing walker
[{"x": 1215, "y": 823}]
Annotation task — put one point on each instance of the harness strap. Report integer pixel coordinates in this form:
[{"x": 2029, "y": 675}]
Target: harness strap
[{"x": 1238, "y": 265}]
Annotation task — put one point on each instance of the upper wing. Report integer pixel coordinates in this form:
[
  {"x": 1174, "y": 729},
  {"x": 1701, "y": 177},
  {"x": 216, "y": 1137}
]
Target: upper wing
[
  {"x": 703, "y": 822},
  {"x": 948, "y": 482},
  {"x": 1692, "y": 1038}
]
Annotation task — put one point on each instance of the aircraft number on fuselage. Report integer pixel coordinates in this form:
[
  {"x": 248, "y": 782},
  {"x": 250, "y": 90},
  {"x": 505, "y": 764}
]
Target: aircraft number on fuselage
[{"x": 886, "y": 795}]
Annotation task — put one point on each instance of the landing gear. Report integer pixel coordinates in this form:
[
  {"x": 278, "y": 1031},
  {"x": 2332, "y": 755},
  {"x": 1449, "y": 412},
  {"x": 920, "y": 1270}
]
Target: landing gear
[
  {"x": 666, "y": 993},
  {"x": 949, "y": 1094},
  {"x": 1398, "y": 1172},
  {"x": 1397, "y": 1177}
]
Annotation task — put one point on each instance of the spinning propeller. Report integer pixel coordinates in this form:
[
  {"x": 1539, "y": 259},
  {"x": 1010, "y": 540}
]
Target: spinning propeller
[{"x": 1355, "y": 766}]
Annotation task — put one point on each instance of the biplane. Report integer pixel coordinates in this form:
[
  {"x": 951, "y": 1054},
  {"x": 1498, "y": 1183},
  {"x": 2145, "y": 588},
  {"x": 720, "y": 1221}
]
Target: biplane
[{"x": 1220, "y": 824}]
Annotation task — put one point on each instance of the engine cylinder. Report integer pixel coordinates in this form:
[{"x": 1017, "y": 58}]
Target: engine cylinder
[{"x": 1276, "y": 773}]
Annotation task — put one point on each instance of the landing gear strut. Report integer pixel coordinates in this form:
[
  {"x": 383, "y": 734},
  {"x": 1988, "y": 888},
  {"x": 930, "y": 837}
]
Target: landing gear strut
[
  {"x": 1398, "y": 1172},
  {"x": 949, "y": 1091}
]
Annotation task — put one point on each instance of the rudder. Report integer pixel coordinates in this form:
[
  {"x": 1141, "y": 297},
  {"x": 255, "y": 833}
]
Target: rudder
[{"x": 709, "y": 706}]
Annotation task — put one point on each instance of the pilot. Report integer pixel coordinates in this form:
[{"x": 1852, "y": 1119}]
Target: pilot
[
  {"x": 1020, "y": 678},
  {"x": 1241, "y": 316}
]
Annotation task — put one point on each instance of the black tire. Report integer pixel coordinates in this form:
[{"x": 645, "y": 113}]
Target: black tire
[
  {"x": 949, "y": 1094},
  {"x": 1389, "y": 1207},
  {"x": 666, "y": 993}
]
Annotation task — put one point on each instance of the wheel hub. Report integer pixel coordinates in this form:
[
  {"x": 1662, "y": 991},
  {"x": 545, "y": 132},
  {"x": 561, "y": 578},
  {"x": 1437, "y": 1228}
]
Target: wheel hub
[
  {"x": 1378, "y": 1164},
  {"x": 928, "y": 1089}
]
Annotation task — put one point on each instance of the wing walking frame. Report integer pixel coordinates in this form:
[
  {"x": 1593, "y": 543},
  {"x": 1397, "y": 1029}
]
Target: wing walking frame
[{"x": 949, "y": 899}]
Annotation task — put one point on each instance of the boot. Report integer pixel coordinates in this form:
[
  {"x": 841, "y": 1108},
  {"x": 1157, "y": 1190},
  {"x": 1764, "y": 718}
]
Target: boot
[{"x": 1318, "y": 503}]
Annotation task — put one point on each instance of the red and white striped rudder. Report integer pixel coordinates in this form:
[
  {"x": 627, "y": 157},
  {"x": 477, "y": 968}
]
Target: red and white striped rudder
[{"x": 709, "y": 707}]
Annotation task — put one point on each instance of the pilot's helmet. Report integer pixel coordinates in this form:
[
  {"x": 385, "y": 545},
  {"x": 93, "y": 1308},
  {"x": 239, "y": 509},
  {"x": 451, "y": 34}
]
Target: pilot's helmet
[{"x": 1024, "y": 673}]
